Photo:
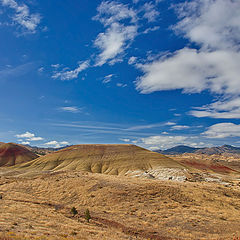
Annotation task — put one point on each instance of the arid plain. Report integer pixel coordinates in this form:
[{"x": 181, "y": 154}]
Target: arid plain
[{"x": 131, "y": 193}]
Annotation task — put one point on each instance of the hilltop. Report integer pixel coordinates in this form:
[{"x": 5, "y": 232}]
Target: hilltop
[
  {"x": 12, "y": 154},
  {"x": 112, "y": 159}
]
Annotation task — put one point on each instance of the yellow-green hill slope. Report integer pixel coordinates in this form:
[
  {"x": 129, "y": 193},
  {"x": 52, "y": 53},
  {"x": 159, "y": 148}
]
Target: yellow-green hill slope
[{"x": 114, "y": 159}]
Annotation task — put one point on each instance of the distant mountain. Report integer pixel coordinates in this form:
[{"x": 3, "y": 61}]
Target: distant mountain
[
  {"x": 210, "y": 151},
  {"x": 178, "y": 150},
  {"x": 43, "y": 151},
  {"x": 219, "y": 150}
]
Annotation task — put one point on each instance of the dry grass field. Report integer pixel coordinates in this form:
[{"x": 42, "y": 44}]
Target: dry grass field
[
  {"x": 131, "y": 193},
  {"x": 39, "y": 207}
]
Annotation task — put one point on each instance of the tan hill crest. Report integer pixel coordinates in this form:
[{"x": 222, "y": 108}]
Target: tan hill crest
[{"x": 113, "y": 159}]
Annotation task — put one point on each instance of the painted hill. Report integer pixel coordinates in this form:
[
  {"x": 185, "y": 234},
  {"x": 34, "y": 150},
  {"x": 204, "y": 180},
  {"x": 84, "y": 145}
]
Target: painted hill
[
  {"x": 113, "y": 159},
  {"x": 12, "y": 154}
]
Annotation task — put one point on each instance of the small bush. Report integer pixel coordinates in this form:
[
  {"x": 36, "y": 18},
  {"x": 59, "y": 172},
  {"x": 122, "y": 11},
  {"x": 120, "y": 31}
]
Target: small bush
[
  {"x": 1, "y": 196},
  {"x": 74, "y": 211},
  {"x": 87, "y": 215}
]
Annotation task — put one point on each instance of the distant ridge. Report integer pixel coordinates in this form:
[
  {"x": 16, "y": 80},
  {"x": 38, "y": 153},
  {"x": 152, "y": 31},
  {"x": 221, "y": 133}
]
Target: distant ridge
[
  {"x": 178, "y": 150},
  {"x": 43, "y": 151},
  {"x": 12, "y": 154},
  {"x": 181, "y": 149},
  {"x": 219, "y": 150}
]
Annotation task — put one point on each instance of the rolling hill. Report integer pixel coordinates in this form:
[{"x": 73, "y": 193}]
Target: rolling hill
[
  {"x": 12, "y": 154},
  {"x": 112, "y": 159}
]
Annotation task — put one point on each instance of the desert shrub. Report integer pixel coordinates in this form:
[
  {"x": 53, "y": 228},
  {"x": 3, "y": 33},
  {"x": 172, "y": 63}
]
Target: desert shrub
[
  {"x": 1, "y": 196},
  {"x": 73, "y": 233},
  {"x": 74, "y": 211},
  {"x": 87, "y": 215}
]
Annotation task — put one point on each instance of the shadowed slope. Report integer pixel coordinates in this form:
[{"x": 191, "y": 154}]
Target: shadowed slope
[
  {"x": 114, "y": 159},
  {"x": 12, "y": 154}
]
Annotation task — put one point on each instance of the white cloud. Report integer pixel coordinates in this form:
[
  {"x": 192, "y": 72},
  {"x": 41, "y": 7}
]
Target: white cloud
[
  {"x": 121, "y": 85},
  {"x": 114, "y": 41},
  {"x": 153, "y": 148},
  {"x": 164, "y": 142},
  {"x": 150, "y": 12},
  {"x": 29, "y": 136},
  {"x": 132, "y": 60},
  {"x": 229, "y": 108},
  {"x": 71, "y": 74},
  {"x": 35, "y": 139},
  {"x": 179, "y": 127},
  {"x": 148, "y": 126},
  {"x": 56, "y": 144},
  {"x": 212, "y": 24},
  {"x": 223, "y": 130},
  {"x": 112, "y": 12},
  {"x": 169, "y": 141},
  {"x": 107, "y": 78},
  {"x": 55, "y": 65},
  {"x": 72, "y": 109},
  {"x": 151, "y": 29},
  {"x": 193, "y": 71},
  {"x": 170, "y": 123},
  {"x": 25, "y": 143},
  {"x": 118, "y": 34},
  {"x": 125, "y": 139},
  {"x": 215, "y": 27},
  {"x": 41, "y": 69},
  {"x": 25, "y": 135},
  {"x": 22, "y": 15}
]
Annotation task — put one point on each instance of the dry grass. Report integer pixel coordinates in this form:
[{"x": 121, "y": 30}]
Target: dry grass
[{"x": 121, "y": 208}]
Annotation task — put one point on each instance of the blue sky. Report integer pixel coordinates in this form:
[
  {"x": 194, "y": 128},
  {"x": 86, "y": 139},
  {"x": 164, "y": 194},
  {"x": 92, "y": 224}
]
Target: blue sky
[{"x": 153, "y": 73}]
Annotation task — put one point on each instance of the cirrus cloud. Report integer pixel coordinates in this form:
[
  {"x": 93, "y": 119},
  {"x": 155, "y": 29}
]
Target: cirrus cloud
[
  {"x": 66, "y": 74},
  {"x": 28, "y": 21}
]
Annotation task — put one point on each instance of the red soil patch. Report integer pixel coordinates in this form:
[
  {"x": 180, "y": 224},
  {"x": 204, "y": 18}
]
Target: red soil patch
[
  {"x": 11, "y": 154},
  {"x": 204, "y": 166}
]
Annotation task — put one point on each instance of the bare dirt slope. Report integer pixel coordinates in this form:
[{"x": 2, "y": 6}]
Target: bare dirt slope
[
  {"x": 121, "y": 208},
  {"x": 113, "y": 159},
  {"x": 12, "y": 154}
]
